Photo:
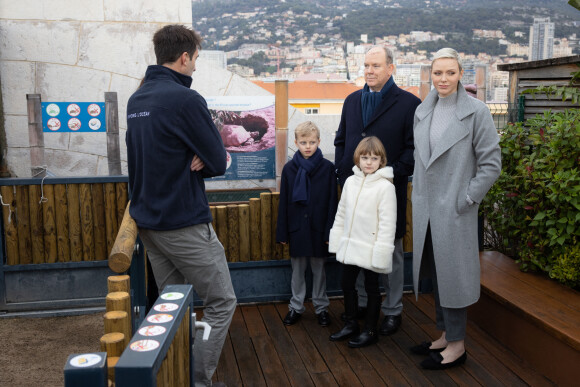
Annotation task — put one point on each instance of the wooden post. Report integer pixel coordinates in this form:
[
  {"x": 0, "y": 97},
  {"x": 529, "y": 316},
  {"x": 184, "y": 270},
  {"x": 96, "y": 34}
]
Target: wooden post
[
  {"x": 122, "y": 250},
  {"x": 87, "y": 222},
  {"x": 112, "y": 118},
  {"x": 36, "y": 226},
  {"x": 111, "y": 363},
  {"x": 118, "y": 301},
  {"x": 425, "y": 81},
  {"x": 281, "y": 109},
  {"x": 513, "y": 96},
  {"x": 266, "y": 224},
  {"x": 233, "y": 215},
  {"x": 122, "y": 199},
  {"x": 244, "y": 226},
  {"x": 100, "y": 225},
  {"x": 35, "y": 135},
  {"x": 74, "y": 223},
  {"x": 113, "y": 344},
  {"x": 119, "y": 283},
  {"x": 23, "y": 225},
  {"x": 481, "y": 82},
  {"x": 118, "y": 321},
  {"x": 277, "y": 248},
  {"x": 10, "y": 230},
  {"x": 49, "y": 224},
  {"x": 111, "y": 221},
  {"x": 255, "y": 232},
  {"x": 61, "y": 212},
  {"x": 222, "y": 227}
]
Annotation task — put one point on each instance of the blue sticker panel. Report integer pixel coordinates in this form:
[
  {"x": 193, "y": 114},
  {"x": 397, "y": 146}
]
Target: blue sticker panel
[{"x": 59, "y": 117}]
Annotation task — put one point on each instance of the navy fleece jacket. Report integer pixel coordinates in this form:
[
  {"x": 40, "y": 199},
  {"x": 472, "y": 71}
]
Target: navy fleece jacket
[{"x": 167, "y": 124}]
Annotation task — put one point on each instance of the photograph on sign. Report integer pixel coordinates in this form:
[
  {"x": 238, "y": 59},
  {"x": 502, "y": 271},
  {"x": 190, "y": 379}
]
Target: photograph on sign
[{"x": 247, "y": 128}]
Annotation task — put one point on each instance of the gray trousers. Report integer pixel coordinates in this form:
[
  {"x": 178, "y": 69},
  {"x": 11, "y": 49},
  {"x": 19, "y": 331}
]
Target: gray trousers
[
  {"x": 298, "y": 284},
  {"x": 195, "y": 256},
  {"x": 451, "y": 320},
  {"x": 393, "y": 283}
]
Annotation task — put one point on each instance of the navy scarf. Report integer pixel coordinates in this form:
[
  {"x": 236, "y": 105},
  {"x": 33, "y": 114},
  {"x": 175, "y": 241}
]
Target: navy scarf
[
  {"x": 301, "y": 191},
  {"x": 371, "y": 100}
]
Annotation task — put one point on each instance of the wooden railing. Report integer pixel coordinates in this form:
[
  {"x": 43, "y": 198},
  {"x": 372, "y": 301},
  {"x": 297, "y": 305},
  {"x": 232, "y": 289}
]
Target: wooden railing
[
  {"x": 60, "y": 220},
  {"x": 68, "y": 220}
]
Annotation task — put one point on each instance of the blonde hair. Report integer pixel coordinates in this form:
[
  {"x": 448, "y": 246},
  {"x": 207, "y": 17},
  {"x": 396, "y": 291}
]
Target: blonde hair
[
  {"x": 370, "y": 145},
  {"x": 306, "y": 129},
  {"x": 450, "y": 53}
]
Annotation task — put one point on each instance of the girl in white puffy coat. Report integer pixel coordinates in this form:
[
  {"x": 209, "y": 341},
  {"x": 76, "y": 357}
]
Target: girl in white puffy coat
[{"x": 363, "y": 237}]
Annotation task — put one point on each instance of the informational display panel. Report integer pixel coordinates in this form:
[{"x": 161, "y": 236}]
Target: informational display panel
[
  {"x": 73, "y": 117},
  {"x": 248, "y": 129}
]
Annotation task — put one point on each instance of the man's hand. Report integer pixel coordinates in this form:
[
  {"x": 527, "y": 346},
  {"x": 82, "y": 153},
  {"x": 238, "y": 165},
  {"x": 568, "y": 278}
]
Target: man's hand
[{"x": 196, "y": 164}]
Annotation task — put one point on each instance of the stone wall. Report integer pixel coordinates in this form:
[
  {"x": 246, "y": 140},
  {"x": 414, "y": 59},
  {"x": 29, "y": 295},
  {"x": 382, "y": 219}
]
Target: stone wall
[{"x": 76, "y": 50}]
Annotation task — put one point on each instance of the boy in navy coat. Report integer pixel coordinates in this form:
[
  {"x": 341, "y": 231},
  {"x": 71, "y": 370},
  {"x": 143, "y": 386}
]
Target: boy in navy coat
[{"x": 308, "y": 200}]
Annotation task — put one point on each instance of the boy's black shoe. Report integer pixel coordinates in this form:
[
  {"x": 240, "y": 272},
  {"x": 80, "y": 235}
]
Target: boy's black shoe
[
  {"x": 324, "y": 319},
  {"x": 292, "y": 317},
  {"x": 390, "y": 325}
]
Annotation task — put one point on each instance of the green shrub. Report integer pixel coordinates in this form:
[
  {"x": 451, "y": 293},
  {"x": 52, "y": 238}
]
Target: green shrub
[{"x": 533, "y": 211}]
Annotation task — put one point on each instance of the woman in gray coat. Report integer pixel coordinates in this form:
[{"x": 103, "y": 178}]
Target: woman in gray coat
[{"x": 457, "y": 160}]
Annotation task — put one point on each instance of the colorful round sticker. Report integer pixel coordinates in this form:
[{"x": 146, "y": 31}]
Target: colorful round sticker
[
  {"x": 160, "y": 318},
  {"x": 171, "y": 296},
  {"x": 144, "y": 345},
  {"x": 73, "y": 109},
  {"x": 152, "y": 330},
  {"x": 94, "y": 110},
  {"x": 74, "y": 124},
  {"x": 95, "y": 124},
  {"x": 53, "y": 124},
  {"x": 52, "y": 110},
  {"x": 167, "y": 307},
  {"x": 85, "y": 360}
]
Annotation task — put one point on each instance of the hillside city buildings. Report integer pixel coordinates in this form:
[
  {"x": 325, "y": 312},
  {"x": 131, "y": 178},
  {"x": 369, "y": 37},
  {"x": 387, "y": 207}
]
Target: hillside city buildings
[{"x": 302, "y": 57}]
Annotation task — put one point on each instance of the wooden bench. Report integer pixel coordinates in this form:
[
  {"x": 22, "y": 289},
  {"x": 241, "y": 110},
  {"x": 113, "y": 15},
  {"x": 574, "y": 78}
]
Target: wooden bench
[{"x": 537, "y": 318}]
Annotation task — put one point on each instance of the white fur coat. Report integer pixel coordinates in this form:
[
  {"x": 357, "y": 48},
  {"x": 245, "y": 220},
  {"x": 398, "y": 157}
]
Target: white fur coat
[{"x": 363, "y": 233}]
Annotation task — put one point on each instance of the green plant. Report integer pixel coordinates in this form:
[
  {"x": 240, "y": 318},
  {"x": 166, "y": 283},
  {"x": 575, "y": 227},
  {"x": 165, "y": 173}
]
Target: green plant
[
  {"x": 533, "y": 210},
  {"x": 567, "y": 267}
]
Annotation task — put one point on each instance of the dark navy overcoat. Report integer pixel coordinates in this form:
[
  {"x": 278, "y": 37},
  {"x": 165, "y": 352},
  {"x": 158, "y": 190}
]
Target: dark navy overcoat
[
  {"x": 306, "y": 227},
  {"x": 392, "y": 123}
]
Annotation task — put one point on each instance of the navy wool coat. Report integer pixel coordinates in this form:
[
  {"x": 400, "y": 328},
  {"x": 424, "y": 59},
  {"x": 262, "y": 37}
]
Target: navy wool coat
[
  {"x": 392, "y": 123},
  {"x": 306, "y": 227}
]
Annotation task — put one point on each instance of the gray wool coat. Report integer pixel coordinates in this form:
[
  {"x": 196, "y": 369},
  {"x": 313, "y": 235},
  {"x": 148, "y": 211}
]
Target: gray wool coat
[{"x": 465, "y": 161}]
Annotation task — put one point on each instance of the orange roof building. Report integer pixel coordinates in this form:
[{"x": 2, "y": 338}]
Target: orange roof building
[
  {"x": 315, "y": 97},
  {"x": 320, "y": 97}
]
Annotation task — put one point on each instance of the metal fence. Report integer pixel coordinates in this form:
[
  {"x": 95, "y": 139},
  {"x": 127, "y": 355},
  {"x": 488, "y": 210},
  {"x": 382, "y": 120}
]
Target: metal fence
[{"x": 504, "y": 112}]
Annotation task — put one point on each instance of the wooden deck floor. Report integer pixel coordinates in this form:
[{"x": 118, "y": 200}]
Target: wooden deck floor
[{"x": 261, "y": 351}]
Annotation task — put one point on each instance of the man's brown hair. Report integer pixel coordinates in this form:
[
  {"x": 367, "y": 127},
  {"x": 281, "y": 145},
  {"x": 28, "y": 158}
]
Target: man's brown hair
[{"x": 171, "y": 41}]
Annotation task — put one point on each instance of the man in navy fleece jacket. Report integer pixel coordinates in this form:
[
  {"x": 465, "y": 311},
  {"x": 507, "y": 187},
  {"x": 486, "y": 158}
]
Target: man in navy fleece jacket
[{"x": 172, "y": 144}]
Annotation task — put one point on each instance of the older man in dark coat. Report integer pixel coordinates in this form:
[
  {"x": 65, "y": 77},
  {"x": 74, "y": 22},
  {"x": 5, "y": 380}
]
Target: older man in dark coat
[{"x": 383, "y": 110}]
